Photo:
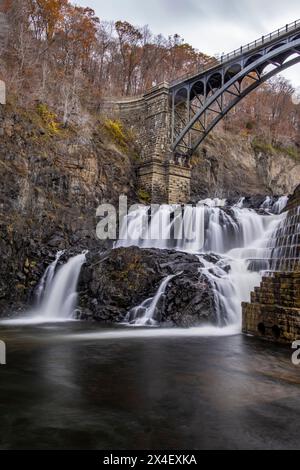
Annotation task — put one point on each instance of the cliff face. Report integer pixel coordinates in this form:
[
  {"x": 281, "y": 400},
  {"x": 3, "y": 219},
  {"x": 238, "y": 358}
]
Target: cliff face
[
  {"x": 230, "y": 165},
  {"x": 52, "y": 180}
]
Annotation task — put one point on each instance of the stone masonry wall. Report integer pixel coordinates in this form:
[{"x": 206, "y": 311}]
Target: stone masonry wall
[
  {"x": 149, "y": 118},
  {"x": 274, "y": 311},
  {"x": 178, "y": 183},
  {"x": 152, "y": 179}
]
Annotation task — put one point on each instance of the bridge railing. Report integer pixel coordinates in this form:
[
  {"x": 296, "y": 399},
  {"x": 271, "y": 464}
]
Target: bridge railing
[
  {"x": 214, "y": 61},
  {"x": 261, "y": 41}
]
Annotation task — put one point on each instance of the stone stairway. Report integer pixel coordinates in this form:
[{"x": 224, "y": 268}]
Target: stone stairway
[
  {"x": 284, "y": 245},
  {"x": 274, "y": 310}
]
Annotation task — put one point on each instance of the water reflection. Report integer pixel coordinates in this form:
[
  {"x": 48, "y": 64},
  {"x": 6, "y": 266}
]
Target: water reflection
[{"x": 66, "y": 387}]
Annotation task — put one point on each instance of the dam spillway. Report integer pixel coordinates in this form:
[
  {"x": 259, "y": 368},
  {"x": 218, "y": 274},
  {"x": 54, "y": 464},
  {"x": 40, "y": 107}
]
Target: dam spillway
[{"x": 274, "y": 310}]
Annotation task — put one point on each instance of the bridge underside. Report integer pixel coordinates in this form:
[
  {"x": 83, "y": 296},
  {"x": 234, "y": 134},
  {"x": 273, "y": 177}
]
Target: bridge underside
[{"x": 199, "y": 103}]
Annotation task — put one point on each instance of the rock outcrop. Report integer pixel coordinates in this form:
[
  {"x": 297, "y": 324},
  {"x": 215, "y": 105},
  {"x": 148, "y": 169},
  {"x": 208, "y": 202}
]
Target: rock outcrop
[
  {"x": 230, "y": 165},
  {"x": 51, "y": 182},
  {"x": 114, "y": 282}
]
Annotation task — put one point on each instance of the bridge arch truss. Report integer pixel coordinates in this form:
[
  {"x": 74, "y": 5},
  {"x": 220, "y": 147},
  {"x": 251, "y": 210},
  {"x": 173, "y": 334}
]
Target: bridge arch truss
[{"x": 199, "y": 102}]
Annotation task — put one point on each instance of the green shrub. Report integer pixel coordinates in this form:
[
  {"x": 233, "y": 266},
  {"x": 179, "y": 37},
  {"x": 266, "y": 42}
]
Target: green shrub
[
  {"x": 49, "y": 118},
  {"x": 259, "y": 145},
  {"x": 116, "y": 130},
  {"x": 293, "y": 152},
  {"x": 144, "y": 196}
]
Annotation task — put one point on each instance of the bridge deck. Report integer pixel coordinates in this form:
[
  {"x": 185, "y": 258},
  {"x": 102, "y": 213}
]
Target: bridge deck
[{"x": 237, "y": 54}]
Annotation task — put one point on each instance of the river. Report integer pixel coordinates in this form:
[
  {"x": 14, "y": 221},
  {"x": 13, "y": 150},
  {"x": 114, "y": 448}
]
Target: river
[
  {"x": 79, "y": 385},
  {"x": 84, "y": 386}
]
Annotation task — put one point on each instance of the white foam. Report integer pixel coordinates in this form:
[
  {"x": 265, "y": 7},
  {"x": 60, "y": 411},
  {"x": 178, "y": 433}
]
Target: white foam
[{"x": 204, "y": 331}]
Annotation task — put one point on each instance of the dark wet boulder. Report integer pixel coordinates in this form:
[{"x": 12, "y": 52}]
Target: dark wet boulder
[{"x": 112, "y": 283}]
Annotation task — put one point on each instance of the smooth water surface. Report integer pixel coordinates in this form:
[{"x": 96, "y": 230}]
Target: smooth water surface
[{"x": 82, "y": 386}]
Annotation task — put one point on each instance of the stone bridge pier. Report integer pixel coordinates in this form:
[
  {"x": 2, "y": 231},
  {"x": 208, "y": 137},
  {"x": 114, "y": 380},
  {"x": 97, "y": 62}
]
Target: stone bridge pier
[{"x": 165, "y": 177}]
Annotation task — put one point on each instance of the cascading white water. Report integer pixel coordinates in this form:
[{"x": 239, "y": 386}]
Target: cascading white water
[
  {"x": 267, "y": 204},
  {"x": 60, "y": 299},
  {"x": 275, "y": 207},
  {"x": 216, "y": 202},
  {"x": 283, "y": 245},
  {"x": 238, "y": 234},
  {"x": 169, "y": 228},
  {"x": 240, "y": 203},
  {"x": 280, "y": 204},
  {"x": 46, "y": 280},
  {"x": 56, "y": 293},
  {"x": 144, "y": 314}
]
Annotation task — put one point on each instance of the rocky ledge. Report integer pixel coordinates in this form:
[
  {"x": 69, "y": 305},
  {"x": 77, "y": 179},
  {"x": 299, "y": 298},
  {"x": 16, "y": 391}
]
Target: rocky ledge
[{"x": 114, "y": 282}]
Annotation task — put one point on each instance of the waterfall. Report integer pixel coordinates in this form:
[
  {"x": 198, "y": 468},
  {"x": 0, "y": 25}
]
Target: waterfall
[
  {"x": 60, "y": 296},
  {"x": 241, "y": 236},
  {"x": 144, "y": 314},
  {"x": 275, "y": 206},
  {"x": 46, "y": 280},
  {"x": 172, "y": 227},
  {"x": 283, "y": 245},
  {"x": 267, "y": 204},
  {"x": 56, "y": 294},
  {"x": 240, "y": 203},
  {"x": 229, "y": 289},
  {"x": 169, "y": 228},
  {"x": 216, "y": 202},
  {"x": 280, "y": 204}
]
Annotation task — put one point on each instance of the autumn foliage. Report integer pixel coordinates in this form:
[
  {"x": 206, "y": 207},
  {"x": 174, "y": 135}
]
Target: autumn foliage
[{"x": 65, "y": 57}]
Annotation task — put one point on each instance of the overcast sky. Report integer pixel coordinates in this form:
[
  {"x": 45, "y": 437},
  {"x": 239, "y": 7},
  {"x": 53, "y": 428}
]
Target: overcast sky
[{"x": 212, "y": 26}]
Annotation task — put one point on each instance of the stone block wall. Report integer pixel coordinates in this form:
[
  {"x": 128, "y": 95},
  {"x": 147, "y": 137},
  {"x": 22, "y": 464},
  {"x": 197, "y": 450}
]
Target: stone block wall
[
  {"x": 152, "y": 179},
  {"x": 165, "y": 181},
  {"x": 149, "y": 118},
  {"x": 284, "y": 246},
  {"x": 178, "y": 183},
  {"x": 274, "y": 310},
  {"x": 280, "y": 289}
]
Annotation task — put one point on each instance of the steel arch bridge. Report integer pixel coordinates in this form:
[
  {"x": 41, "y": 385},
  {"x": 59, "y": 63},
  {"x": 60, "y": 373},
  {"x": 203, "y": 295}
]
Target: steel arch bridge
[{"x": 200, "y": 101}]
